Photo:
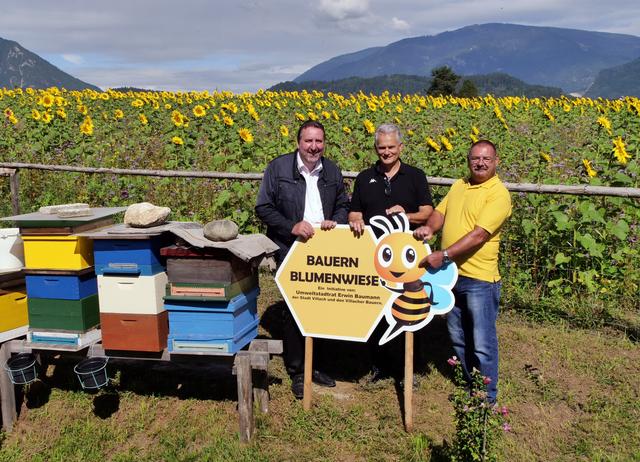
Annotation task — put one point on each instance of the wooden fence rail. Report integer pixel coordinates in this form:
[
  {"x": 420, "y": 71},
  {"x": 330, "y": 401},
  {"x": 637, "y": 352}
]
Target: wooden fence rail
[{"x": 11, "y": 169}]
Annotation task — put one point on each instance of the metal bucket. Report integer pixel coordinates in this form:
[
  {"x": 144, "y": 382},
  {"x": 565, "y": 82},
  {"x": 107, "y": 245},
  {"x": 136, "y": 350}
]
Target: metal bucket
[{"x": 92, "y": 372}]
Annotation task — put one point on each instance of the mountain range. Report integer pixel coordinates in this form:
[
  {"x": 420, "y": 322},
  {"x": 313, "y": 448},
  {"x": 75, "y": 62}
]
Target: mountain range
[
  {"x": 20, "y": 67},
  {"x": 566, "y": 58}
]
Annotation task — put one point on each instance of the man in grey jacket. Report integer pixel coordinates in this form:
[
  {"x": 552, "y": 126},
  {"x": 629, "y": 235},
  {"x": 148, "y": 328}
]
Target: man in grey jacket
[{"x": 299, "y": 190}]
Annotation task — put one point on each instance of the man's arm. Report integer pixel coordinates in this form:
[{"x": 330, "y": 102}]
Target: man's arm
[
  {"x": 421, "y": 216},
  {"x": 468, "y": 243},
  {"x": 266, "y": 206},
  {"x": 434, "y": 224}
]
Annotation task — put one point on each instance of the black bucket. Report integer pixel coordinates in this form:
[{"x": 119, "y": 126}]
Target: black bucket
[
  {"x": 92, "y": 372},
  {"x": 22, "y": 368}
]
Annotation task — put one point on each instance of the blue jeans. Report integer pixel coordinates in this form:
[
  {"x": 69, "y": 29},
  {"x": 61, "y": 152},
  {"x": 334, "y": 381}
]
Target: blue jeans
[{"x": 472, "y": 328}]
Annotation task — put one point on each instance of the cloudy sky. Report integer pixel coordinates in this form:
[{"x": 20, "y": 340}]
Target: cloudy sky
[{"x": 244, "y": 45}]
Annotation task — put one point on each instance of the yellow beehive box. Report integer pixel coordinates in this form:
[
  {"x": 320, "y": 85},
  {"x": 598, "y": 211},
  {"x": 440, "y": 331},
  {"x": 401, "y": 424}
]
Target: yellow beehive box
[
  {"x": 58, "y": 252},
  {"x": 13, "y": 309}
]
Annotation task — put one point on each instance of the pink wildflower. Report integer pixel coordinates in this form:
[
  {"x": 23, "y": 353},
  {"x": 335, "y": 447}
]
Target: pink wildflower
[
  {"x": 486, "y": 380},
  {"x": 506, "y": 427},
  {"x": 452, "y": 361},
  {"x": 504, "y": 411}
]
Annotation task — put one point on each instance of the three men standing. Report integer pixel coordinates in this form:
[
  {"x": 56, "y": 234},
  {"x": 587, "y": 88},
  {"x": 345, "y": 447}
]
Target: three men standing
[
  {"x": 299, "y": 190},
  {"x": 471, "y": 217}
]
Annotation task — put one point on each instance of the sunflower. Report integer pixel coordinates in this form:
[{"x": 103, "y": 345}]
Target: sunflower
[
  {"x": 432, "y": 144},
  {"x": 87, "y": 126},
  {"x": 620, "y": 151},
  {"x": 199, "y": 111},
  {"x": 143, "y": 119},
  {"x": 118, "y": 114},
  {"x": 13, "y": 119},
  {"x": 177, "y": 140},
  {"x": 546, "y": 156},
  {"x": 284, "y": 131},
  {"x": 346, "y": 129},
  {"x": 228, "y": 121},
  {"x": 446, "y": 143},
  {"x": 246, "y": 135},
  {"x": 137, "y": 103},
  {"x": 47, "y": 100},
  {"x": 369, "y": 126},
  {"x": 61, "y": 113},
  {"x": 177, "y": 118},
  {"x": 589, "y": 169},
  {"x": 8, "y": 112},
  {"x": 35, "y": 114},
  {"x": 47, "y": 117}
]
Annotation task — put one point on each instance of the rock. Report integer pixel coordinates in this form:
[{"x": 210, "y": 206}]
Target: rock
[
  {"x": 79, "y": 212},
  {"x": 145, "y": 215},
  {"x": 220, "y": 230},
  {"x": 55, "y": 209}
]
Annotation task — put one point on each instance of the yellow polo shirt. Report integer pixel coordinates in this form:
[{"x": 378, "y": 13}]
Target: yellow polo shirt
[{"x": 487, "y": 205}]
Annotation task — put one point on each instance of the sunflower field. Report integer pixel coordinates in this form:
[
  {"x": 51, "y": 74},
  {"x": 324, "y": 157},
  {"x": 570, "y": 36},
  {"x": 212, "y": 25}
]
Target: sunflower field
[{"x": 555, "y": 248}]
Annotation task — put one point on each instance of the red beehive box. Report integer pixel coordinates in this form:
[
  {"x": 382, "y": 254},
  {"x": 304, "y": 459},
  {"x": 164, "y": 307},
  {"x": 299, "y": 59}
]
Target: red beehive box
[{"x": 134, "y": 332}]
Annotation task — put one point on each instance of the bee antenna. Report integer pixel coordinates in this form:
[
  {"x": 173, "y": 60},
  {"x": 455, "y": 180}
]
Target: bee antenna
[
  {"x": 402, "y": 221},
  {"x": 382, "y": 223}
]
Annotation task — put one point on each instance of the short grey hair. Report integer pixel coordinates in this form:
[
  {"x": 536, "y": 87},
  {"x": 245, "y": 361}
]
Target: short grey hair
[{"x": 387, "y": 129}]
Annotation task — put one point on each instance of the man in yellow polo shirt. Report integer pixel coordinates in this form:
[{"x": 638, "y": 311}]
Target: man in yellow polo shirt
[{"x": 471, "y": 217}]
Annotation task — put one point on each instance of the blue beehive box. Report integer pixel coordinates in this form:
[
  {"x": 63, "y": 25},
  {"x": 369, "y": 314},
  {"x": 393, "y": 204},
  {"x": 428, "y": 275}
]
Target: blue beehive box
[
  {"x": 213, "y": 327},
  {"x": 63, "y": 287},
  {"x": 129, "y": 256}
]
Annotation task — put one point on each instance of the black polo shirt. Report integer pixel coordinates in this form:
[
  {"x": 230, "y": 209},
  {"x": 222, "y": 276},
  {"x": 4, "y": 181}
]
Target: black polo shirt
[{"x": 409, "y": 189}]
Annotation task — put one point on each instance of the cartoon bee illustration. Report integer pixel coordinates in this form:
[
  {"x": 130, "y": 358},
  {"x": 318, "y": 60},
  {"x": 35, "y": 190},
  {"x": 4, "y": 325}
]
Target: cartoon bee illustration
[{"x": 396, "y": 260}]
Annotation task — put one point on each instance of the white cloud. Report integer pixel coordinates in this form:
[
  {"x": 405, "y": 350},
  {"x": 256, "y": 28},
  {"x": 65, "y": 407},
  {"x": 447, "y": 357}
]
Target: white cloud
[
  {"x": 73, "y": 59},
  {"x": 344, "y": 9},
  {"x": 399, "y": 24}
]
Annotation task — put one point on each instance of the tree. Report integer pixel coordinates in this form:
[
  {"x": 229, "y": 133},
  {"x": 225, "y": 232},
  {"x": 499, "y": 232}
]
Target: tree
[
  {"x": 444, "y": 81},
  {"x": 468, "y": 90}
]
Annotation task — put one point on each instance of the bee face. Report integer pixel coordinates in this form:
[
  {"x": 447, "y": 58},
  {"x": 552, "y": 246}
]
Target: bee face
[{"x": 397, "y": 257}]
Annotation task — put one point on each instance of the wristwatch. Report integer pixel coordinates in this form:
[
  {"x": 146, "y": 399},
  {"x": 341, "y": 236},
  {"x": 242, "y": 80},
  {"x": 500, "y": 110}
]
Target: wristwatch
[{"x": 445, "y": 255}]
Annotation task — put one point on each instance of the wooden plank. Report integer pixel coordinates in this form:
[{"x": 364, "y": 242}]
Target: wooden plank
[
  {"x": 261, "y": 378},
  {"x": 408, "y": 381},
  {"x": 273, "y": 347},
  {"x": 245, "y": 398},
  {"x": 67, "y": 230},
  {"x": 7, "y": 391},
  {"x": 308, "y": 370}
]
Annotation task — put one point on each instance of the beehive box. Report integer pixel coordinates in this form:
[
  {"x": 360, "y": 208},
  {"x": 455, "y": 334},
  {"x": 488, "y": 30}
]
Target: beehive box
[
  {"x": 134, "y": 332},
  {"x": 57, "y": 252},
  {"x": 190, "y": 265},
  {"x": 132, "y": 294},
  {"x": 214, "y": 327},
  {"x": 13, "y": 309},
  {"x": 61, "y": 286},
  {"x": 130, "y": 256},
  {"x": 65, "y": 315},
  {"x": 210, "y": 292}
]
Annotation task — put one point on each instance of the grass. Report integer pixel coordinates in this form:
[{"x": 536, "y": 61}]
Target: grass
[{"x": 573, "y": 394}]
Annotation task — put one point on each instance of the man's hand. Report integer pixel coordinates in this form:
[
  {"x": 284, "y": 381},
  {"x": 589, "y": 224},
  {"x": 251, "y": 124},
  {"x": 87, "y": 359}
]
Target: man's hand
[
  {"x": 303, "y": 229},
  {"x": 394, "y": 209},
  {"x": 357, "y": 226},
  {"x": 328, "y": 224},
  {"x": 433, "y": 260},
  {"x": 423, "y": 233}
]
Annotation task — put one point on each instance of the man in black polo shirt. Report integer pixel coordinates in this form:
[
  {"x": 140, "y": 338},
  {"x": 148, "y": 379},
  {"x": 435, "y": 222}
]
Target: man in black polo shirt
[{"x": 389, "y": 186}]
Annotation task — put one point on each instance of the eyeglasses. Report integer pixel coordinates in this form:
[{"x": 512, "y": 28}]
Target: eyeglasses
[{"x": 387, "y": 186}]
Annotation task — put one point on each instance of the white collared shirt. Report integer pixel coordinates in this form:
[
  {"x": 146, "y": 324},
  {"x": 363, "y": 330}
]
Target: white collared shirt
[{"x": 312, "y": 204}]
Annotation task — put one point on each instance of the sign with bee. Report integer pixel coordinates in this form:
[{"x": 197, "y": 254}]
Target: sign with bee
[
  {"x": 418, "y": 293},
  {"x": 339, "y": 286}
]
